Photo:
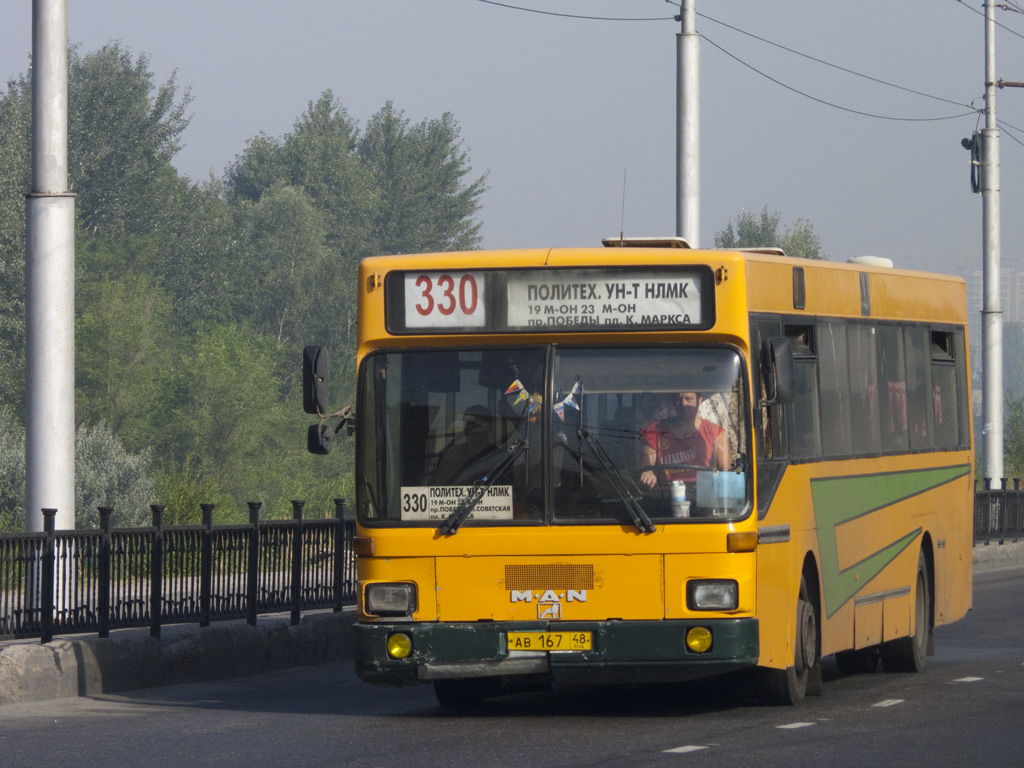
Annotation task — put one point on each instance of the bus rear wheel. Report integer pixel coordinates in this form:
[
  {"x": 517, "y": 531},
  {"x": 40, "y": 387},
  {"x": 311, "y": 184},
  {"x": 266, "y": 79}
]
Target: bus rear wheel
[
  {"x": 789, "y": 686},
  {"x": 907, "y": 654}
]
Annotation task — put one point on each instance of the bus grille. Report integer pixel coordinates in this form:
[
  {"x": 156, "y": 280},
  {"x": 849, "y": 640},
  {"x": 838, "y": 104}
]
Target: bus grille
[{"x": 552, "y": 576}]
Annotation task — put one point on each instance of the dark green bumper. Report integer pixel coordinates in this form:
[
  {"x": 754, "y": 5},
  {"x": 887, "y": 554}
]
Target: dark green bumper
[{"x": 623, "y": 651}]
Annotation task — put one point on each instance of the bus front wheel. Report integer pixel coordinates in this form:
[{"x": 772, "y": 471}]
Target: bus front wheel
[
  {"x": 789, "y": 686},
  {"x": 907, "y": 654}
]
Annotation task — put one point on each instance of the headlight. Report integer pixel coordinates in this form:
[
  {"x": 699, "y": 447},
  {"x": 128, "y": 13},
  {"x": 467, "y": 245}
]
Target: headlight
[
  {"x": 390, "y": 599},
  {"x": 712, "y": 595}
]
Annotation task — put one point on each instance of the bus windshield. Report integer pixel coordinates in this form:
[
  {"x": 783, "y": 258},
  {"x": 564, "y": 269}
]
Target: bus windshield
[{"x": 555, "y": 435}]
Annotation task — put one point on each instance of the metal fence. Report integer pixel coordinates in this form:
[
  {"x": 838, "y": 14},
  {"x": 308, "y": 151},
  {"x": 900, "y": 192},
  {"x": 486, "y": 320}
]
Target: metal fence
[
  {"x": 64, "y": 582},
  {"x": 999, "y": 513}
]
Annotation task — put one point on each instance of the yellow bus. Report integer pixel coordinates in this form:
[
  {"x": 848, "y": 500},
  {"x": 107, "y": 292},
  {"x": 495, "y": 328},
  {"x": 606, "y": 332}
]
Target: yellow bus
[{"x": 646, "y": 463}]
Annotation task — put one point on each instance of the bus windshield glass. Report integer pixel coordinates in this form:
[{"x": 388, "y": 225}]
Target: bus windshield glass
[{"x": 555, "y": 435}]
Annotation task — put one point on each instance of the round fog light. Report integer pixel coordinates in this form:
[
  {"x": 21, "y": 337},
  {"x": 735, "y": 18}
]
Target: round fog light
[
  {"x": 698, "y": 639},
  {"x": 399, "y": 646}
]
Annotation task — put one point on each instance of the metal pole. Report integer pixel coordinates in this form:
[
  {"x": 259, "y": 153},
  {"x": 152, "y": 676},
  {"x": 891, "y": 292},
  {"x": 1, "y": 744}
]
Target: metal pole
[
  {"x": 991, "y": 313},
  {"x": 688, "y": 125},
  {"x": 50, "y": 281}
]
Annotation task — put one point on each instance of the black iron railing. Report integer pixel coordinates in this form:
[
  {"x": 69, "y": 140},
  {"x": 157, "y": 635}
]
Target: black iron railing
[
  {"x": 65, "y": 582},
  {"x": 999, "y": 513}
]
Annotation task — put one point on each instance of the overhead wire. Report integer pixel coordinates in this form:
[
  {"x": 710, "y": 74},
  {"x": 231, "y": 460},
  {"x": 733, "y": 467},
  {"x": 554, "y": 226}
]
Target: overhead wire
[
  {"x": 572, "y": 15},
  {"x": 997, "y": 23},
  {"x": 971, "y": 109}
]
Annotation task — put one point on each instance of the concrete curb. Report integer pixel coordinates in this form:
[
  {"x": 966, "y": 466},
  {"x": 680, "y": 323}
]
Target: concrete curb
[
  {"x": 131, "y": 659},
  {"x": 997, "y": 557}
]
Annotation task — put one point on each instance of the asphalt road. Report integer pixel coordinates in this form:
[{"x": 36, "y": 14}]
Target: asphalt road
[{"x": 965, "y": 709}]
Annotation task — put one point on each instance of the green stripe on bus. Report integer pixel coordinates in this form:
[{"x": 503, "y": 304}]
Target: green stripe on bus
[{"x": 839, "y": 500}]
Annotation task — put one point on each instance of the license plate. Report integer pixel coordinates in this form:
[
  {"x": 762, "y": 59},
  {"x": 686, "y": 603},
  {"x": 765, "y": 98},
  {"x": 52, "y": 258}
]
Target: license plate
[{"x": 550, "y": 641}]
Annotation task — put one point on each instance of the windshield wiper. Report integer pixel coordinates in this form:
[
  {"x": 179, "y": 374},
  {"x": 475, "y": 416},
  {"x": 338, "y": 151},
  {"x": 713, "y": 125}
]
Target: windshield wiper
[
  {"x": 480, "y": 488},
  {"x": 617, "y": 481}
]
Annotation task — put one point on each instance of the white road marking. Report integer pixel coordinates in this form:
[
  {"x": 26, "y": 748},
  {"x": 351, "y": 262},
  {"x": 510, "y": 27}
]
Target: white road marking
[
  {"x": 888, "y": 703},
  {"x": 684, "y": 750},
  {"x": 791, "y": 726},
  {"x": 968, "y": 679}
]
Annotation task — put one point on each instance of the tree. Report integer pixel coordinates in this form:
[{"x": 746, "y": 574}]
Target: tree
[
  {"x": 318, "y": 157},
  {"x": 108, "y": 475},
  {"x": 753, "y": 231},
  {"x": 15, "y": 170},
  {"x": 285, "y": 270},
  {"x": 12, "y": 472},
  {"x": 1013, "y": 436},
  {"x": 123, "y": 132},
  {"x": 425, "y": 203},
  {"x": 105, "y": 474},
  {"x": 124, "y": 340}
]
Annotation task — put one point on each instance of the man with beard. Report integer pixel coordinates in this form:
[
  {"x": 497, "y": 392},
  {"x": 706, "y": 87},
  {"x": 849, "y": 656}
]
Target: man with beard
[{"x": 685, "y": 439}]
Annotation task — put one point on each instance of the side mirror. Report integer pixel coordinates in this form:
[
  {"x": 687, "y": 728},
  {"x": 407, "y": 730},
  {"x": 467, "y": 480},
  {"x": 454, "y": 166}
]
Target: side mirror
[
  {"x": 316, "y": 380},
  {"x": 777, "y": 371},
  {"x": 319, "y": 439}
]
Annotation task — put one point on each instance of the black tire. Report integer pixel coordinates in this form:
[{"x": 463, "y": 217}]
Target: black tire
[
  {"x": 858, "y": 662},
  {"x": 784, "y": 687},
  {"x": 908, "y": 654},
  {"x": 465, "y": 693}
]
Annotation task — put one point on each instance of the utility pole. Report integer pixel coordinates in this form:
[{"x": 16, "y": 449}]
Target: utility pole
[
  {"x": 991, "y": 313},
  {"x": 50, "y": 280},
  {"x": 688, "y": 125}
]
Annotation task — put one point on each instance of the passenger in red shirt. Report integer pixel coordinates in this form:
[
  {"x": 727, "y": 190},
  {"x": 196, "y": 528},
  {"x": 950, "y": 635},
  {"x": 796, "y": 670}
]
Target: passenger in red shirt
[{"x": 685, "y": 438}]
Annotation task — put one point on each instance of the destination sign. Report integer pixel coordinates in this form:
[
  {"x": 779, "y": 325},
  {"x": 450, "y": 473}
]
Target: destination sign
[
  {"x": 546, "y": 300},
  {"x": 582, "y": 299}
]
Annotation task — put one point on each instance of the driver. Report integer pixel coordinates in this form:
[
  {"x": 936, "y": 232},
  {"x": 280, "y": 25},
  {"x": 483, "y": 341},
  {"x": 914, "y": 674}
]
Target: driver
[
  {"x": 479, "y": 440},
  {"x": 685, "y": 438}
]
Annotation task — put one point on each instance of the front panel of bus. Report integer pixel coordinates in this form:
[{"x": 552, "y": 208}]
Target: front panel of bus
[{"x": 553, "y": 470}]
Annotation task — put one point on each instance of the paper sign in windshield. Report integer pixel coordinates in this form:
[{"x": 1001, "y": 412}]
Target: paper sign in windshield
[{"x": 438, "y": 502}]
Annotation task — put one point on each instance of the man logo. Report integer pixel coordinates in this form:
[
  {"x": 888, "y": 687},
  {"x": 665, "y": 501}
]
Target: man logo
[
  {"x": 549, "y": 611},
  {"x": 550, "y": 596}
]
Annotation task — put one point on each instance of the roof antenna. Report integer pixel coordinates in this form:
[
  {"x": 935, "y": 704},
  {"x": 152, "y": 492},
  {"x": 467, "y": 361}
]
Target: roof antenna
[{"x": 622, "y": 223}]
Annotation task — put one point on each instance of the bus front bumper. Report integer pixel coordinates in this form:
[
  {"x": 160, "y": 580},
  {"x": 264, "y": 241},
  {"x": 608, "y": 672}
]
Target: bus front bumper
[{"x": 620, "y": 652}]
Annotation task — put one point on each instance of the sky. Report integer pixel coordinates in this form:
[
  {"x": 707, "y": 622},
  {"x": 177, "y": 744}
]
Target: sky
[{"x": 573, "y": 120}]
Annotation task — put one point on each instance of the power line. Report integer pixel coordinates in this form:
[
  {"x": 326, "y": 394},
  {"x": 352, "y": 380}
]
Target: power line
[
  {"x": 1003, "y": 26},
  {"x": 829, "y": 64},
  {"x": 573, "y": 15},
  {"x": 763, "y": 74},
  {"x": 832, "y": 104}
]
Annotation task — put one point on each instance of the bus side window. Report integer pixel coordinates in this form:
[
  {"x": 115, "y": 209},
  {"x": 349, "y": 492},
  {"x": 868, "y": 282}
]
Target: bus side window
[
  {"x": 837, "y": 439},
  {"x": 945, "y": 398},
  {"x": 803, "y": 428},
  {"x": 766, "y": 418},
  {"x": 893, "y": 378},
  {"x": 861, "y": 342},
  {"x": 920, "y": 416}
]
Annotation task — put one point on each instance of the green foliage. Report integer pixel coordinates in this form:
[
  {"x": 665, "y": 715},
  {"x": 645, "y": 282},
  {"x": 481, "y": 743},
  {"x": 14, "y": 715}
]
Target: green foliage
[
  {"x": 1013, "y": 436},
  {"x": 194, "y": 301},
  {"x": 122, "y": 348},
  {"x": 126, "y": 130},
  {"x": 753, "y": 231},
  {"x": 183, "y": 490},
  {"x": 12, "y": 472},
  {"x": 107, "y": 475},
  {"x": 15, "y": 176},
  {"x": 420, "y": 172}
]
